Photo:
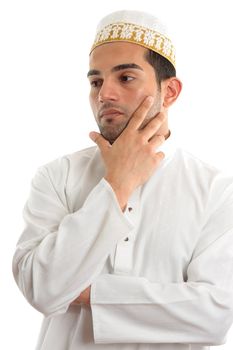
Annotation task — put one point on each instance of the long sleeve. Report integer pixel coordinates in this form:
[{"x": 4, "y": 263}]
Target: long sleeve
[
  {"x": 198, "y": 309},
  {"x": 60, "y": 253}
]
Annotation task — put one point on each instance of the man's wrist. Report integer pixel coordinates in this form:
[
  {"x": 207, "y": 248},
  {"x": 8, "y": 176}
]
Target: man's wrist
[{"x": 121, "y": 193}]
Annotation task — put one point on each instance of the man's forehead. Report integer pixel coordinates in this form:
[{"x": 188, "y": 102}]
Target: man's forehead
[{"x": 113, "y": 55}]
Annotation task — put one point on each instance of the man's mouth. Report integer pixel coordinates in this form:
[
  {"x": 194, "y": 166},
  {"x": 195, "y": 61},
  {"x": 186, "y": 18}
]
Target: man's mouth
[{"x": 110, "y": 113}]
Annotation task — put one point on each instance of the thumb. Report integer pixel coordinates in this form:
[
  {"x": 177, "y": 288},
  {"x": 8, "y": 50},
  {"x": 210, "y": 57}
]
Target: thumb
[{"x": 101, "y": 142}]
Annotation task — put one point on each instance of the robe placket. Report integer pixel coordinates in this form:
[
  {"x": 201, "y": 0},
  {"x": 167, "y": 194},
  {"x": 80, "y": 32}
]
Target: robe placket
[{"x": 123, "y": 260}]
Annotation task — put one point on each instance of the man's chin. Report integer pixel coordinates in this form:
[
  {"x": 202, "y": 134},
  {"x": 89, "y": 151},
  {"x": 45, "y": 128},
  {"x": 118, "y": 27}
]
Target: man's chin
[
  {"x": 110, "y": 138},
  {"x": 111, "y": 134}
]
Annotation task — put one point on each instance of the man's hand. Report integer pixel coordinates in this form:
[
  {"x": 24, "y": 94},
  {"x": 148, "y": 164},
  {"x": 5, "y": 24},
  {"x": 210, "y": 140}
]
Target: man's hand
[
  {"x": 84, "y": 297},
  {"x": 132, "y": 158}
]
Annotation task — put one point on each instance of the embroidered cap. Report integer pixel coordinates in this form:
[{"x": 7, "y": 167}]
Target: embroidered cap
[{"x": 136, "y": 27}]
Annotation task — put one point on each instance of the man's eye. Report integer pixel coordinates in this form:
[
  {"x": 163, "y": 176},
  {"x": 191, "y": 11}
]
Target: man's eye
[
  {"x": 96, "y": 83},
  {"x": 126, "y": 78}
]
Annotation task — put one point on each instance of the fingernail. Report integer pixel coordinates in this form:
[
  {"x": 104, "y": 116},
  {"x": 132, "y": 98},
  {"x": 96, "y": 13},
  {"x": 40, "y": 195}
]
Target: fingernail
[
  {"x": 92, "y": 135},
  {"x": 150, "y": 99}
]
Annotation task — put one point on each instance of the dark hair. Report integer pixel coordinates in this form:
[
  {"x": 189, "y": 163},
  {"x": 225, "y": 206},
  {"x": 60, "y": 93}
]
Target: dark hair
[{"x": 162, "y": 67}]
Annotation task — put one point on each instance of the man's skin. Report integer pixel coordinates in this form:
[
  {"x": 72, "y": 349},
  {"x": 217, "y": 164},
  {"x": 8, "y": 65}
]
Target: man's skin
[{"x": 130, "y": 109}]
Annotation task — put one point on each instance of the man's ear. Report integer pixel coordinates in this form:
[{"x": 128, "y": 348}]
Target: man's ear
[{"x": 171, "y": 89}]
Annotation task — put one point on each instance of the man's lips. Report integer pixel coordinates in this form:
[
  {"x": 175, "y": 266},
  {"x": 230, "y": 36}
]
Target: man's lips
[{"x": 110, "y": 113}]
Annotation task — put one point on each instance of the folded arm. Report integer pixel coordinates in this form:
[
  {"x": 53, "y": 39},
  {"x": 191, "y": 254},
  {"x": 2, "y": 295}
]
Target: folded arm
[
  {"x": 197, "y": 311},
  {"x": 59, "y": 254}
]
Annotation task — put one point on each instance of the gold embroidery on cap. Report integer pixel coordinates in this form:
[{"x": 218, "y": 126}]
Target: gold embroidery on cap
[{"x": 139, "y": 35}]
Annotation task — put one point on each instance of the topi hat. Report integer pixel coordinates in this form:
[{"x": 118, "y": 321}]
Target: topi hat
[{"x": 136, "y": 27}]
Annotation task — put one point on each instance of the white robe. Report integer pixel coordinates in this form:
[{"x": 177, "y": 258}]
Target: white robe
[{"x": 161, "y": 273}]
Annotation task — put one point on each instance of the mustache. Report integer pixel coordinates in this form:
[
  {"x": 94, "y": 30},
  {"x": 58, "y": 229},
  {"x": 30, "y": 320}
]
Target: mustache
[{"x": 109, "y": 105}]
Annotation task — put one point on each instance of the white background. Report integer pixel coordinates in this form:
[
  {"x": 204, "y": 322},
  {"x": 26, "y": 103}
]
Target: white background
[{"x": 45, "y": 112}]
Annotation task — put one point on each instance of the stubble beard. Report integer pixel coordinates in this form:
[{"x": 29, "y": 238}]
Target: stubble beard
[{"x": 111, "y": 133}]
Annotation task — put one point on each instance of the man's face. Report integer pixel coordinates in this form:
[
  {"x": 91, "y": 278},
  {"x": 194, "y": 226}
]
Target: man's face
[{"x": 120, "y": 79}]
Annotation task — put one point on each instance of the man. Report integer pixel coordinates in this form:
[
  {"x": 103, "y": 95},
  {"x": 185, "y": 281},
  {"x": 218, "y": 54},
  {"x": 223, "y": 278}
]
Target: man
[{"x": 129, "y": 245}]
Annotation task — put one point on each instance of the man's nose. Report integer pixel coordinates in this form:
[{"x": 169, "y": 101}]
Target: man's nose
[{"x": 108, "y": 92}]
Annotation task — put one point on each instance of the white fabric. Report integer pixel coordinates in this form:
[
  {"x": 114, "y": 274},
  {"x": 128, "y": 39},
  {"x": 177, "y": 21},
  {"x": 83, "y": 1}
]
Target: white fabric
[
  {"x": 169, "y": 286},
  {"x": 140, "y": 18},
  {"x": 137, "y": 27}
]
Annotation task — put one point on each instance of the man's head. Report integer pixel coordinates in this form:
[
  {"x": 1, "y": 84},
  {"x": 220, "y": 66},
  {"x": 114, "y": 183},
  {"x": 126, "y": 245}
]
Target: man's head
[{"x": 131, "y": 58}]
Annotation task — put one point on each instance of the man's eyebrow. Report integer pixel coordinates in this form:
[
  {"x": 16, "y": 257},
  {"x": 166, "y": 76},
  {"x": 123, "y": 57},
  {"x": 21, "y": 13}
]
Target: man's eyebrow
[
  {"x": 126, "y": 66},
  {"x": 93, "y": 72},
  {"x": 116, "y": 68}
]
